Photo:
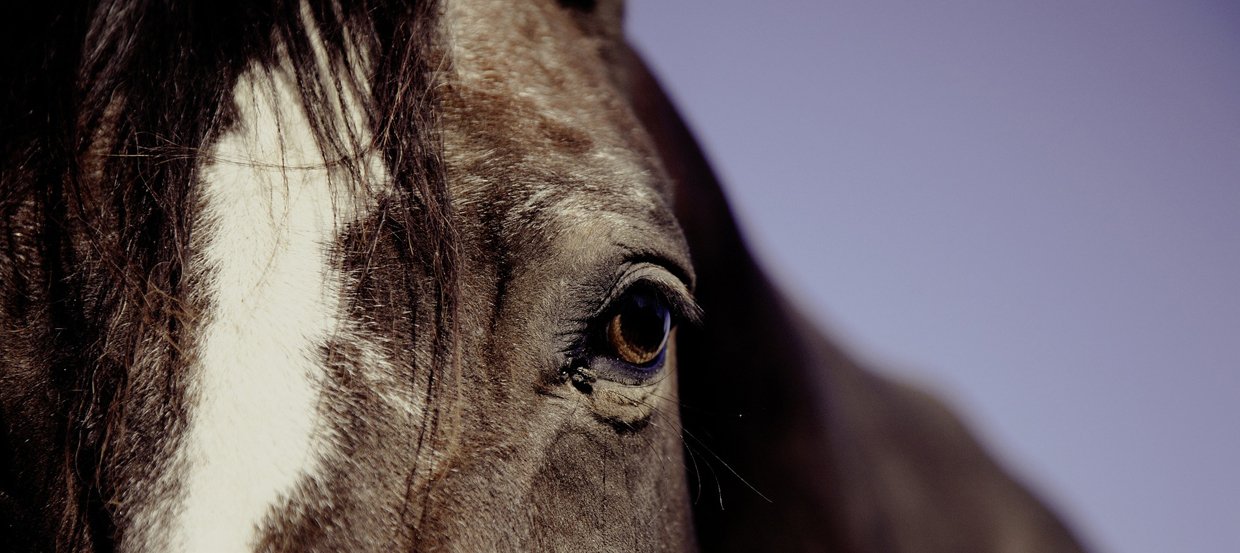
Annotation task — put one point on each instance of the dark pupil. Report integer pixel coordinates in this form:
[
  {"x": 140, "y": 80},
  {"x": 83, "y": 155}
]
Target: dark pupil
[{"x": 643, "y": 323}]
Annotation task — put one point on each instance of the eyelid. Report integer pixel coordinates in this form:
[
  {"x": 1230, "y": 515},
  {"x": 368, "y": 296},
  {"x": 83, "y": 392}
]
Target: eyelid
[{"x": 680, "y": 301}]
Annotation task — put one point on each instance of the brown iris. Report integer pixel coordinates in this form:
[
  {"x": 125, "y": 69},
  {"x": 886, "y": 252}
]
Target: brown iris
[{"x": 638, "y": 331}]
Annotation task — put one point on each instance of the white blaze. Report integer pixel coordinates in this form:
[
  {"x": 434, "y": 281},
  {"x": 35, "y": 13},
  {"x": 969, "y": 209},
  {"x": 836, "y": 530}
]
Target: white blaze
[{"x": 270, "y": 216}]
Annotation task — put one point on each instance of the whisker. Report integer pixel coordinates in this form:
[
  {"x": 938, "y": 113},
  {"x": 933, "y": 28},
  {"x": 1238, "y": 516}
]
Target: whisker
[{"x": 709, "y": 451}]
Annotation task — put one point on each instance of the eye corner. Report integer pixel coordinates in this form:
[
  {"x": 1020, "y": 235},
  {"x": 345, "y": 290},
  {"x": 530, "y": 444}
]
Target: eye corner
[{"x": 686, "y": 311}]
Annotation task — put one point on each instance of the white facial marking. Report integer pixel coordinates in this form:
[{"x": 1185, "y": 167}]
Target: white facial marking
[{"x": 271, "y": 215}]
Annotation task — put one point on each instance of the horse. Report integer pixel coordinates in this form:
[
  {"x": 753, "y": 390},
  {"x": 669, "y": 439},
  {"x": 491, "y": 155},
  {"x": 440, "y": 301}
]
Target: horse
[{"x": 307, "y": 275}]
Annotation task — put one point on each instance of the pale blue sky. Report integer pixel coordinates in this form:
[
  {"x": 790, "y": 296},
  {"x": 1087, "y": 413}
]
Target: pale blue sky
[{"x": 1032, "y": 207}]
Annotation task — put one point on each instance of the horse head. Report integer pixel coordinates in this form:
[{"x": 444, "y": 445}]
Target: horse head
[{"x": 322, "y": 276}]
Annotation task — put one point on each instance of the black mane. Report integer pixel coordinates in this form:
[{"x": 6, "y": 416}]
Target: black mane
[{"x": 106, "y": 108}]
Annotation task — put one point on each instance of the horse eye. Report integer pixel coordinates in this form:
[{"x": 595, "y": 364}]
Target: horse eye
[{"x": 637, "y": 332}]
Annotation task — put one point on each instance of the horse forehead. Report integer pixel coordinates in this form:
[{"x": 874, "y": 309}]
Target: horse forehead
[
  {"x": 530, "y": 49},
  {"x": 531, "y": 113}
]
